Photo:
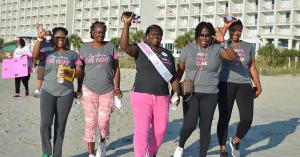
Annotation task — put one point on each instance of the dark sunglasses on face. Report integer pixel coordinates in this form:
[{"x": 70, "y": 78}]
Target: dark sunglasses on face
[
  {"x": 60, "y": 37},
  {"x": 204, "y": 36},
  {"x": 236, "y": 30}
]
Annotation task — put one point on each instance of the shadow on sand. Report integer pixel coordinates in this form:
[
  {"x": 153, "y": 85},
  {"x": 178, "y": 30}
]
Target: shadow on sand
[{"x": 274, "y": 132}]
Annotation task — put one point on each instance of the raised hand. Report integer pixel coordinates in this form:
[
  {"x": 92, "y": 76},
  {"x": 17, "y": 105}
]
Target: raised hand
[
  {"x": 40, "y": 30},
  {"x": 127, "y": 19}
]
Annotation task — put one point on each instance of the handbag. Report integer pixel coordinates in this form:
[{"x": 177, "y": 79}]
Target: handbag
[{"x": 186, "y": 87}]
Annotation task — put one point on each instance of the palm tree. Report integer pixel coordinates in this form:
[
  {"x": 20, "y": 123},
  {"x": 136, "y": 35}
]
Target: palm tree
[
  {"x": 1, "y": 42},
  {"x": 116, "y": 41},
  {"x": 75, "y": 41},
  {"x": 137, "y": 36},
  {"x": 182, "y": 40}
]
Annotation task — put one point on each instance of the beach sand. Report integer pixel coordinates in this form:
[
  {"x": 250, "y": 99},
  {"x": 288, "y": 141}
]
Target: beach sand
[{"x": 275, "y": 130}]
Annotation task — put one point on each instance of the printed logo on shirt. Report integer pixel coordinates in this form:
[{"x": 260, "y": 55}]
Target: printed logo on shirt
[
  {"x": 98, "y": 59},
  {"x": 164, "y": 54},
  {"x": 58, "y": 60},
  {"x": 164, "y": 59},
  {"x": 241, "y": 56},
  {"x": 201, "y": 60}
]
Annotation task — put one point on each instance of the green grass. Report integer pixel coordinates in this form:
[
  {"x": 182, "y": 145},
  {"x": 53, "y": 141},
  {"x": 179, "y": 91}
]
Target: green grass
[{"x": 279, "y": 70}]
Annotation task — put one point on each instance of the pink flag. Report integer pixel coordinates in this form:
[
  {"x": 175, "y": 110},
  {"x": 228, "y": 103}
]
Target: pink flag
[{"x": 15, "y": 67}]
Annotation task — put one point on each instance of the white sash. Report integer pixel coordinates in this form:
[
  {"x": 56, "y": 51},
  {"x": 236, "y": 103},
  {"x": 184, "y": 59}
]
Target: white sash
[{"x": 159, "y": 66}]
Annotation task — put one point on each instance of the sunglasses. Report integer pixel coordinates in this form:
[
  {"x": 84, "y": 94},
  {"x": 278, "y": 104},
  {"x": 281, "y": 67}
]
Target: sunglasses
[
  {"x": 205, "y": 35},
  {"x": 60, "y": 37}
]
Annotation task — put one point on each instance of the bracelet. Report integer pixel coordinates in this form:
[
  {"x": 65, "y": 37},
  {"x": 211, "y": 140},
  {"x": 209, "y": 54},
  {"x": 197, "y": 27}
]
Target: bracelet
[
  {"x": 224, "y": 44},
  {"x": 117, "y": 88},
  {"x": 39, "y": 39}
]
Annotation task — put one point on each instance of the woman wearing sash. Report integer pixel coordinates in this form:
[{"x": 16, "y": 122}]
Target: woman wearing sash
[
  {"x": 236, "y": 85},
  {"x": 150, "y": 95},
  {"x": 201, "y": 60}
]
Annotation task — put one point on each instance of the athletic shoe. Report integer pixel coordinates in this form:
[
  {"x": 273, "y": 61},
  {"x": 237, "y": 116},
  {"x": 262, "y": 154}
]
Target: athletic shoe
[
  {"x": 91, "y": 155},
  {"x": 235, "y": 152},
  {"x": 45, "y": 155},
  {"x": 17, "y": 95},
  {"x": 223, "y": 154},
  {"x": 101, "y": 149},
  {"x": 178, "y": 152},
  {"x": 36, "y": 93}
]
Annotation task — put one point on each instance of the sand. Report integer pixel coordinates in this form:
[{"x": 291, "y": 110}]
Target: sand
[{"x": 275, "y": 130}]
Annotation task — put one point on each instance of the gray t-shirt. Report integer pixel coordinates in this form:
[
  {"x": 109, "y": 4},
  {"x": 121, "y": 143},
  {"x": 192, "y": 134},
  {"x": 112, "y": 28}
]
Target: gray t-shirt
[
  {"x": 208, "y": 61},
  {"x": 237, "y": 71},
  {"x": 68, "y": 58},
  {"x": 99, "y": 67}
]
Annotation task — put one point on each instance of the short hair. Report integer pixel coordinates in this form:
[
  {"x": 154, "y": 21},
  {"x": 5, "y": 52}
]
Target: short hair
[
  {"x": 236, "y": 23},
  {"x": 22, "y": 42},
  {"x": 92, "y": 27},
  {"x": 202, "y": 25},
  {"x": 154, "y": 27},
  {"x": 54, "y": 30}
]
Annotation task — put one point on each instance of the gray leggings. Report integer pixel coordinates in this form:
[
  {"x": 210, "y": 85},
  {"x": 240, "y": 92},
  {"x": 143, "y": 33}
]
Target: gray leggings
[{"x": 57, "y": 107}]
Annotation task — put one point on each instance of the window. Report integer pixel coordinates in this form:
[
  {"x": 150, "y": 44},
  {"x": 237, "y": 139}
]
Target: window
[{"x": 170, "y": 47}]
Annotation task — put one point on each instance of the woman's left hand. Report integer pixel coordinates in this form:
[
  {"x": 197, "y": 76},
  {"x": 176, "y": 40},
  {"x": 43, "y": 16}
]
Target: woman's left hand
[
  {"x": 118, "y": 93},
  {"x": 257, "y": 92}
]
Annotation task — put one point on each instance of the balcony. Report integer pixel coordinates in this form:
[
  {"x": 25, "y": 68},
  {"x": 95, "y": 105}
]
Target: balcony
[
  {"x": 267, "y": 7},
  {"x": 171, "y": 1},
  {"x": 237, "y": 9},
  {"x": 78, "y": 5},
  {"x": 251, "y": 21},
  {"x": 171, "y": 24},
  {"x": 171, "y": 12},
  {"x": 252, "y": 8},
  {"x": 221, "y": 9},
  {"x": 105, "y": 3}
]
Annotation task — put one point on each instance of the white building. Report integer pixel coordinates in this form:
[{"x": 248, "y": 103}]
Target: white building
[{"x": 265, "y": 21}]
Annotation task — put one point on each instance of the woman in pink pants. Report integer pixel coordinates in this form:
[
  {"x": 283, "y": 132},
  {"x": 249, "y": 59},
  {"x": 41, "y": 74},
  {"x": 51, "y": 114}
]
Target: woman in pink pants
[
  {"x": 150, "y": 97},
  {"x": 101, "y": 82}
]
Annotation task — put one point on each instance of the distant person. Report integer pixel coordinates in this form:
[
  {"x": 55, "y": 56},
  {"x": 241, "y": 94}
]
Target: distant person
[
  {"x": 201, "y": 61},
  {"x": 57, "y": 93},
  {"x": 150, "y": 96},
  {"x": 101, "y": 83},
  {"x": 43, "y": 47},
  {"x": 236, "y": 85},
  {"x": 22, "y": 51}
]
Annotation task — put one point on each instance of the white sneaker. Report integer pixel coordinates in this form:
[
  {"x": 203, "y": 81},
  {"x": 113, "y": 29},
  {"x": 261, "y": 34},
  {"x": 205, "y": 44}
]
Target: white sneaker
[
  {"x": 235, "y": 152},
  {"x": 37, "y": 93},
  {"x": 178, "y": 152},
  {"x": 101, "y": 149},
  {"x": 91, "y": 155}
]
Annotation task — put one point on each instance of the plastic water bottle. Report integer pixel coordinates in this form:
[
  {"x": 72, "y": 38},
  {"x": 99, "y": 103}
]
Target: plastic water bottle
[
  {"x": 59, "y": 71},
  {"x": 117, "y": 102},
  {"x": 173, "y": 102},
  {"x": 76, "y": 103}
]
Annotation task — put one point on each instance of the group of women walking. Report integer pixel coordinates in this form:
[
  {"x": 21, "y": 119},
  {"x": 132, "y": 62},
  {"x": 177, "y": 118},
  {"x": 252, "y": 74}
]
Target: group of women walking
[{"x": 222, "y": 70}]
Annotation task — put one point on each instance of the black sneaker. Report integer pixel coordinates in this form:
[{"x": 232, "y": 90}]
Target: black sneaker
[
  {"x": 223, "y": 154},
  {"x": 235, "y": 152}
]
